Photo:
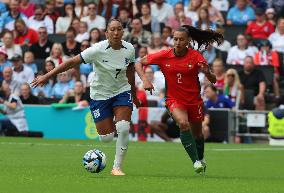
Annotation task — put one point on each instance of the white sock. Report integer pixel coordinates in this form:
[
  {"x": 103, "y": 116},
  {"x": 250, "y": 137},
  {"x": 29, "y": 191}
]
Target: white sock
[{"x": 122, "y": 128}]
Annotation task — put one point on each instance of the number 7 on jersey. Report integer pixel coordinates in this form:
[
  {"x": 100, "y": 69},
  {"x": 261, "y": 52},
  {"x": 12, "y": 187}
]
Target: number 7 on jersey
[{"x": 117, "y": 72}]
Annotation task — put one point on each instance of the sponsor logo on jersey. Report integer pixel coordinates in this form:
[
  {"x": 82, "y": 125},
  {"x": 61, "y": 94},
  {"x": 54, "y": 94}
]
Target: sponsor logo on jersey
[
  {"x": 105, "y": 61},
  {"x": 190, "y": 66},
  {"x": 168, "y": 65}
]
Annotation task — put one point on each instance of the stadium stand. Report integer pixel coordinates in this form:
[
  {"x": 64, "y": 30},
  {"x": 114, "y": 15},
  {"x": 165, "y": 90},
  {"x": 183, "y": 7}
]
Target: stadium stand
[{"x": 230, "y": 34}]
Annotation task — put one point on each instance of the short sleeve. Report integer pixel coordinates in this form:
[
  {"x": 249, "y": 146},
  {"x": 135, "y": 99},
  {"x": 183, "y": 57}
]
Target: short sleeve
[
  {"x": 199, "y": 58},
  {"x": 156, "y": 58},
  {"x": 88, "y": 55}
]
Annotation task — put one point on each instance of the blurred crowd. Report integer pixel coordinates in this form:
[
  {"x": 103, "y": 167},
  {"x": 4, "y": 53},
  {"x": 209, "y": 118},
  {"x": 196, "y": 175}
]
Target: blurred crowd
[{"x": 37, "y": 36}]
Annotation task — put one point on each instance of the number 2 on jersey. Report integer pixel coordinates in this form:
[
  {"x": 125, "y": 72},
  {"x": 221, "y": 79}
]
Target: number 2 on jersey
[
  {"x": 117, "y": 72},
  {"x": 179, "y": 78}
]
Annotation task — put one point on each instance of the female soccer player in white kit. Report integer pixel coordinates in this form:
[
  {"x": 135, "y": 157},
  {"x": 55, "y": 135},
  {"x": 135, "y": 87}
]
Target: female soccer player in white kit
[{"x": 112, "y": 89}]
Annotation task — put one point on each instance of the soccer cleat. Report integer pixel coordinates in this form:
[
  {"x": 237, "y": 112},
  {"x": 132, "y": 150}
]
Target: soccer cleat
[
  {"x": 198, "y": 167},
  {"x": 203, "y": 162},
  {"x": 117, "y": 172}
]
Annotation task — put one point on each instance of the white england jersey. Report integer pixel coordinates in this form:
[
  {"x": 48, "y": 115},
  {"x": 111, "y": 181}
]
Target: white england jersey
[{"x": 110, "y": 69}]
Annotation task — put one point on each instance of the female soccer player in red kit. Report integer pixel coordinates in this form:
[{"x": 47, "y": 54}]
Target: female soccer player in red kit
[{"x": 180, "y": 66}]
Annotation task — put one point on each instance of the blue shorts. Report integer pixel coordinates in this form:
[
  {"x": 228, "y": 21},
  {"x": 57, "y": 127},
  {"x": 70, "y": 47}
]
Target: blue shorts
[{"x": 102, "y": 109}]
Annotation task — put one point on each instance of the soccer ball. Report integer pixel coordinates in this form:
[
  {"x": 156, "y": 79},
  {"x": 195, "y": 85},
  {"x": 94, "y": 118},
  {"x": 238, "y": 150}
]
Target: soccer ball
[{"x": 94, "y": 161}]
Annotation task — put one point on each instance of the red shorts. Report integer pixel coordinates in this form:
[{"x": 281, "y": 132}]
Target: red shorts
[{"x": 195, "y": 112}]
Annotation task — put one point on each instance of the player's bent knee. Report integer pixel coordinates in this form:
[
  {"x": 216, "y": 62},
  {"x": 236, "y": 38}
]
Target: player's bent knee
[
  {"x": 107, "y": 138},
  {"x": 183, "y": 125},
  {"x": 122, "y": 127}
]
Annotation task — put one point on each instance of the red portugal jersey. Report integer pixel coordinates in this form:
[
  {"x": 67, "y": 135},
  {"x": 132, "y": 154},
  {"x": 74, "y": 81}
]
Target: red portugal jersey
[{"x": 181, "y": 74}]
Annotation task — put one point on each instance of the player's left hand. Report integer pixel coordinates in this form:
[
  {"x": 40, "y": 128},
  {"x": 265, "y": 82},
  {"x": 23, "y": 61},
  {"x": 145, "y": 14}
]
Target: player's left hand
[
  {"x": 136, "y": 102},
  {"x": 204, "y": 67}
]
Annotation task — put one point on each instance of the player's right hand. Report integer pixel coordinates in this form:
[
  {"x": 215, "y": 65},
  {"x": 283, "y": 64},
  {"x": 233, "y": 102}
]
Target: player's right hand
[
  {"x": 147, "y": 85},
  {"x": 39, "y": 81}
]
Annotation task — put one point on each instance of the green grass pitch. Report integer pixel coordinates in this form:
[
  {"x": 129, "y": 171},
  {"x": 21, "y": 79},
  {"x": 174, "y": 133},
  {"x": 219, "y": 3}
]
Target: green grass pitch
[{"x": 55, "y": 166}]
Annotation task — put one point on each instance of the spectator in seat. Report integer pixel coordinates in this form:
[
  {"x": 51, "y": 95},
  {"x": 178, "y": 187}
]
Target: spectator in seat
[
  {"x": 4, "y": 62},
  {"x": 83, "y": 32},
  {"x": 75, "y": 23},
  {"x": 192, "y": 10},
  {"x": 24, "y": 35},
  {"x": 21, "y": 73},
  {"x": 71, "y": 47},
  {"x": 253, "y": 79},
  {"x": 167, "y": 36},
  {"x": 156, "y": 44},
  {"x": 161, "y": 10},
  {"x": 45, "y": 90},
  {"x": 63, "y": 23},
  {"x": 209, "y": 54},
  {"x": 26, "y": 7},
  {"x": 56, "y": 54},
  {"x": 81, "y": 10},
  {"x": 203, "y": 20},
  {"x": 85, "y": 69},
  {"x": 63, "y": 84},
  {"x": 219, "y": 70},
  {"x": 233, "y": 87},
  {"x": 8, "y": 18},
  {"x": 277, "y": 38},
  {"x": 138, "y": 37},
  {"x": 42, "y": 48},
  {"x": 13, "y": 109},
  {"x": 93, "y": 20},
  {"x": 27, "y": 96},
  {"x": 237, "y": 53},
  {"x": 8, "y": 79},
  {"x": 149, "y": 23},
  {"x": 107, "y": 9},
  {"x": 179, "y": 18},
  {"x": 260, "y": 28},
  {"x": 76, "y": 95},
  {"x": 39, "y": 20},
  {"x": 51, "y": 11},
  {"x": 123, "y": 16},
  {"x": 95, "y": 36},
  {"x": 240, "y": 14},
  {"x": 215, "y": 100},
  {"x": 158, "y": 83},
  {"x": 29, "y": 61},
  {"x": 215, "y": 15},
  {"x": 271, "y": 16},
  {"x": 267, "y": 56},
  {"x": 9, "y": 45}
]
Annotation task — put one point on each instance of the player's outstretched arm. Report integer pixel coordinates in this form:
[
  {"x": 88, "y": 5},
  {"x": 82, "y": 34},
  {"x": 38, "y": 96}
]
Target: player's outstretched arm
[
  {"x": 206, "y": 70},
  {"x": 147, "y": 85},
  {"x": 68, "y": 64}
]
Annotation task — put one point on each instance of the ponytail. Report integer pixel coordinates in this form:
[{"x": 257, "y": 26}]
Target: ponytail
[{"x": 202, "y": 37}]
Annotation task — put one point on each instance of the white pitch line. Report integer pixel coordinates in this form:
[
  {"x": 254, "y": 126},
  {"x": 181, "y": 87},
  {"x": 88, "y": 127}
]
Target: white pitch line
[
  {"x": 153, "y": 148},
  {"x": 249, "y": 149}
]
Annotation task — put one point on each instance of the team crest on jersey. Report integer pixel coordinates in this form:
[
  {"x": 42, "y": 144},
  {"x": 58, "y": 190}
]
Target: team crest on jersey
[
  {"x": 190, "y": 66},
  {"x": 127, "y": 61}
]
